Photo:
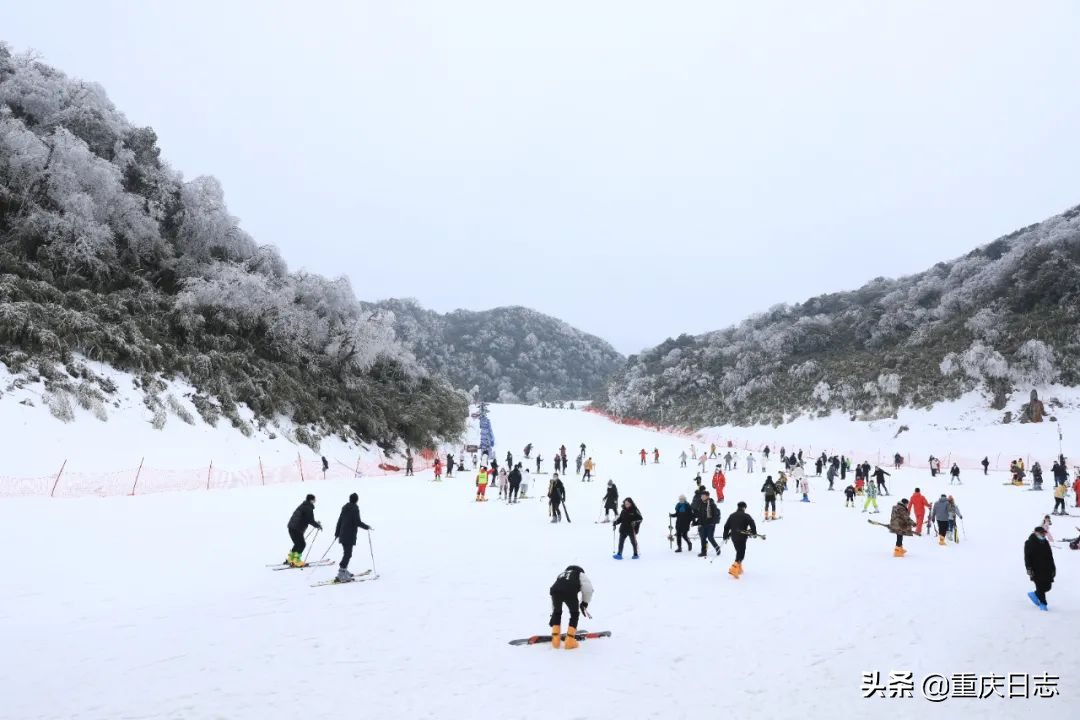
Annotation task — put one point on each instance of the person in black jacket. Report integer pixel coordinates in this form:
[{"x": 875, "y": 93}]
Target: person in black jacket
[
  {"x": 564, "y": 591},
  {"x": 611, "y": 500},
  {"x": 556, "y": 497},
  {"x": 514, "y": 478},
  {"x": 683, "y": 518},
  {"x": 1039, "y": 562},
  {"x": 628, "y": 522},
  {"x": 449, "y": 465},
  {"x": 880, "y": 475},
  {"x": 769, "y": 488},
  {"x": 706, "y": 515},
  {"x": 302, "y": 517},
  {"x": 348, "y": 523},
  {"x": 738, "y": 528}
]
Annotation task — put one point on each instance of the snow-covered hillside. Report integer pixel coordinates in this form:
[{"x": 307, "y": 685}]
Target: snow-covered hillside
[{"x": 161, "y": 606}]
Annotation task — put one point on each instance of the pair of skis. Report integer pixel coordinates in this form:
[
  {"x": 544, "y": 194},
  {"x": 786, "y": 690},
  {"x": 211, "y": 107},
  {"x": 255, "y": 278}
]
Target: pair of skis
[
  {"x": 579, "y": 636},
  {"x": 314, "y": 563},
  {"x": 359, "y": 577}
]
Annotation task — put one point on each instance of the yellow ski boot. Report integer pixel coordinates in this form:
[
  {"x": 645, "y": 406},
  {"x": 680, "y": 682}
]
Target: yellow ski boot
[
  {"x": 555, "y": 632},
  {"x": 571, "y": 638}
]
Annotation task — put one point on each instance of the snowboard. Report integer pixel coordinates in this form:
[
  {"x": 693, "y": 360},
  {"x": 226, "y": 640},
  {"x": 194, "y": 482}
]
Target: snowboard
[
  {"x": 885, "y": 525},
  {"x": 582, "y": 635},
  {"x": 750, "y": 534}
]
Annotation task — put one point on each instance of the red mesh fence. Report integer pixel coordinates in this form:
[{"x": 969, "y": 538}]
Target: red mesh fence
[{"x": 145, "y": 478}]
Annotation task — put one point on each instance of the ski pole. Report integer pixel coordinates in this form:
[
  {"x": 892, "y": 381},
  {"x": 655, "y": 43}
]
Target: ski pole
[
  {"x": 372, "y": 551},
  {"x": 311, "y": 545},
  {"x": 962, "y": 528},
  {"x": 327, "y": 550}
]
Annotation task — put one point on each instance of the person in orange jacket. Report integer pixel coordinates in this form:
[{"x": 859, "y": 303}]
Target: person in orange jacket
[
  {"x": 918, "y": 504},
  {"x": 718, "y": 483},
  {"x": 643, "y": 455}
]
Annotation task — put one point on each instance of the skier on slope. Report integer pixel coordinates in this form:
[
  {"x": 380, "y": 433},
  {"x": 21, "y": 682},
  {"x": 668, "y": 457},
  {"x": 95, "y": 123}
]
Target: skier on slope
[
  {"x": 504, "y": 484},
  {"x": 1046, "y": 523},
  {"x": 514, "y": 481},
  {"x": 804, "y": 488},
  {"x": 940, "y": 513},
  {"x": 830, "y": 475},
  {"x": 769, "y": 488},
  {"x": 706, "y": 515},
  {"x": 564, "y": 591},
  {"x": 1076, "y": 490},
  {"x": 589, "y": 465},
  {"x": 528, "y": 449},
  {"x": 611, "y": 500},
  {"x": 438, "y": 469},
  {"x": 750, "y": 463},
  {"x": 849, "y": 496},
  {"x": 954, "y": 474},
  {"x": 1061, "y": 474},
  {"x": 918, "y": 505},
  {"x": 449, "y": 465},
  {"x": 683, "y": 519},
  {"x": 578, "y": 462},
  {"x": 727, "y": 460},
  {"x": 325, "y": 466},
  {"x": 879, "y": 476},
  {"x": 718, "y": 483},
  {"x": 1059, "y": 499},
  {"x": 408, "y": 463},
  {"x": 1036, "y": 476},
  {"x": 643, "y": 455},
  {"x": 538, "y": 459},
  {"x": 302, "y": 517},
  {"x": 481, "y": 484},
  {"x": 682, "y": 459},
  {"x": 558, "y": 463},
  {"x": 348, "y": 523},
  {"x": 986, "y": 465},
  {"x": 556, "y": 497},
  {"x": 738, "y": 528},
  {"x": 629, "y": 523},
  {"x": 656, "y": 456},
  {"x": 900, "y": 523},
  {"x": 701, "y": 461},
  {"x": 1039, "y": 563},
  {"x": 871, "y": 497}
]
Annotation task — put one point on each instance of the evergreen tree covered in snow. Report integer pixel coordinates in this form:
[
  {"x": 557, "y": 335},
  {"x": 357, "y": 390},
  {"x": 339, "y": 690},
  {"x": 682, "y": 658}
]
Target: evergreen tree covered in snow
[
  {"x": 1004, "y": 316},
  {"x": 107, "y": 252},
  {"x": 509, "y": 354}
]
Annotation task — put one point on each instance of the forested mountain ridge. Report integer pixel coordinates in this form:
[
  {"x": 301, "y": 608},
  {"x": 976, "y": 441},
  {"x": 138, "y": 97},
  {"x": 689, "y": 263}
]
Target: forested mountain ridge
[
  {"x": 508, "y": 354},
  {"x": 108, "y": 253},
  {"x": 1004, "y": 316}
]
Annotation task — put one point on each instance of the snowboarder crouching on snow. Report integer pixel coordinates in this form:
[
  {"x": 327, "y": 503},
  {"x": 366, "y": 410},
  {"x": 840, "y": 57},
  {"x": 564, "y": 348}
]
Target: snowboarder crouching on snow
[
  {"x": 849, "y": 496},
  {"x": 565, "y": 591}
]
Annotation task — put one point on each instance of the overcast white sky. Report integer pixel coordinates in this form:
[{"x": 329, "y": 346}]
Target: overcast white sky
[{"x": 639, "y": 169}]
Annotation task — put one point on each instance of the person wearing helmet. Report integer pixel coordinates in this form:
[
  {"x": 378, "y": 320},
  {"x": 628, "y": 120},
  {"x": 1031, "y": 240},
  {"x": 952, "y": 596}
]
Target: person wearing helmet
[
  {"x": 302, "y": 517},
  {"x": 564, "y": 591}
]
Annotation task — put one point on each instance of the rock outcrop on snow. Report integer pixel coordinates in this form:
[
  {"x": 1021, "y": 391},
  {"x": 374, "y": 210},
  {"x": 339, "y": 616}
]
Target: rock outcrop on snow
[{"x": 1005, "y": 316}]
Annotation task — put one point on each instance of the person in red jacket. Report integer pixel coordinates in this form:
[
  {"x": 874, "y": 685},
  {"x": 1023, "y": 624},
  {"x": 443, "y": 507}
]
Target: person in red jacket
[
  {"x": 918, "y": 505},
  {"x": 1076, "y": 489},
  {"x": 643, "y": 455},
  {"x": 438, "y": 469},
  {"x": 718, "y": 483}
]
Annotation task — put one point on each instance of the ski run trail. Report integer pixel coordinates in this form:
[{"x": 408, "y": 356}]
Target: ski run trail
[{"x": 162, "y": 606}]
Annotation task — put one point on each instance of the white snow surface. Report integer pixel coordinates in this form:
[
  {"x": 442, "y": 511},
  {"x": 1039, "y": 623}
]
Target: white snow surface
[{"x": 161, "y": 606}]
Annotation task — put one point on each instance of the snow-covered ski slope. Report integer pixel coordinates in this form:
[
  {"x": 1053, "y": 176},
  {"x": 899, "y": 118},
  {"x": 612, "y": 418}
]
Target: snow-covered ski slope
[{"x": 162, "y": 607}]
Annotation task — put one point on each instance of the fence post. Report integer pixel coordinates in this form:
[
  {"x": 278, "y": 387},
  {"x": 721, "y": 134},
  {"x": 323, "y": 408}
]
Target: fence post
[
  {"x": 208, "y": 470},
  {"x": 300, "y": 464},
  {"x": 997, "y": 463},
  {"x": 356, "y": 472},
  {"x": 137, "y": 473},
  {"x": 262, "y": 476},
  {"x": 57, "y": 482}
]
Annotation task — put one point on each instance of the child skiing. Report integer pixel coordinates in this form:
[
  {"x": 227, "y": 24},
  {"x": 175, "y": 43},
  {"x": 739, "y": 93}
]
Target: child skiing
[
  {"x": 564, "y": 591},
  {"x": 871, "y": 497},
  {"x": 643, "y": 455},
  {"x": 683, "y": 518},
  {"x": 804, "y": 488},
  {"x": 849, "y": 497}
]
